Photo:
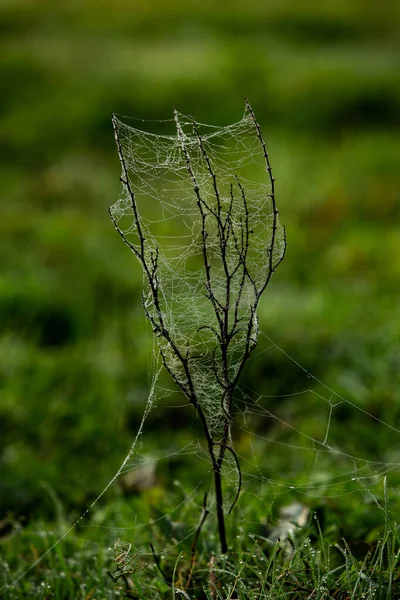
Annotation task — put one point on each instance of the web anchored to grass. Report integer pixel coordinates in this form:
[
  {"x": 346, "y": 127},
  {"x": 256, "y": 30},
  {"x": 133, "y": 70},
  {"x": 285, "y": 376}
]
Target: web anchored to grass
[
  {"x": 197, "y": 209},
  {"x": 202, "y": 288}
]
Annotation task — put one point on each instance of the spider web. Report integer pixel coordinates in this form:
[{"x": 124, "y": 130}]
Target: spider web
[
  {"x": 193, "y": 231},
  {"x": 321, "y": 462}
]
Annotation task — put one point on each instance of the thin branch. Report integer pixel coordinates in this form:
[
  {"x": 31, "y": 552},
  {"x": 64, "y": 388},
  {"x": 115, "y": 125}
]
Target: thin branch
[
  {"x": 239, "y": 472},
  {"x": 151, "y": 275},
  {"x": 121, "y": 233},
  {"x": 203, "y": 215},
  {"x": 127, "y": 184},
  {"x": 223, "y": 240},
  {"x": 215, "y": 368},
  {"x": 271, "y": 248},
  {"x": 174, "y": 376},
  {"x": 211, "y": 172},
  {"x": 230, "y": 243},
  {"x": 208, "y": 327}
]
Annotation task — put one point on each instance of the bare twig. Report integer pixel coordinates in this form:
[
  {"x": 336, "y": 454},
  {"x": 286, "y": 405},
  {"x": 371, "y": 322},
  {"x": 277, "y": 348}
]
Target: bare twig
[
  {"x": 230, "y": 280},
  {"x": 271, "y": 248},
  {"x": 239, "y": 473}
]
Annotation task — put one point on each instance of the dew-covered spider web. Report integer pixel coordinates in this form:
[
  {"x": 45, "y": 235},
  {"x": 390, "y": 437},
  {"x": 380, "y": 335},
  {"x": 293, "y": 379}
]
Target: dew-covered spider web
[{"x": 197, "y": 208}]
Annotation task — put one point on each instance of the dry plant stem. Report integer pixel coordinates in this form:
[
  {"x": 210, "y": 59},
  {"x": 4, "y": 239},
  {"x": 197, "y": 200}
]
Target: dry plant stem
[
  {"x": 272, "y": 266},
  {"x": 152, "y": 278},
  {"x": 159, "y": 327},
  {"x": 221, "y": 314},
  {"x": 228, "y": 234}
]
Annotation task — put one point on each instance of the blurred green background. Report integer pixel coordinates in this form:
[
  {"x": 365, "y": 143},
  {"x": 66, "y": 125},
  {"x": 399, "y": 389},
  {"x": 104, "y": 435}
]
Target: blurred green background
[{"x": 324, "y": 81}]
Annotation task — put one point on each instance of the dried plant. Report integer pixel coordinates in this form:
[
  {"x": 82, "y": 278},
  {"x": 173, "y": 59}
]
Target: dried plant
[{"x": 202, "y": 289}]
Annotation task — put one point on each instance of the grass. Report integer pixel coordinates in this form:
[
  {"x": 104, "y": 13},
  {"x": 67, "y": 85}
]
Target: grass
[{"x": 307, "y": 561}]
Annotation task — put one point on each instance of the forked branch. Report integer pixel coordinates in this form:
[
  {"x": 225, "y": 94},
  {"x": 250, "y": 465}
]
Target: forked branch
[{"x": 231, "y": 276}]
